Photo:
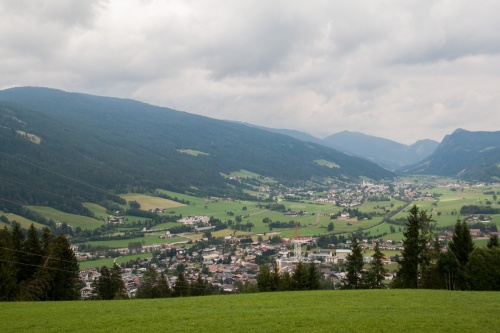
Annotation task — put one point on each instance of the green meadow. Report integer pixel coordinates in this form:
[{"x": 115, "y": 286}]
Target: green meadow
[
  {"x": 24, "y": 222},
  {"x": 73, "y": 220},
  {"x": 309, "y": 311},
  {"x": 108, "y": 262}
]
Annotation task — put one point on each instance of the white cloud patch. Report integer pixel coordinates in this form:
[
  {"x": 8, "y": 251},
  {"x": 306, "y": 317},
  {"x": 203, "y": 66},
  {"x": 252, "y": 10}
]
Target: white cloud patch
[{"x": 405, "y": 70}]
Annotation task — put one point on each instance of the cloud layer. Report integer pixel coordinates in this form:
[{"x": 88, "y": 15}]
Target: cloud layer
[{"x": 404, "y": 70}]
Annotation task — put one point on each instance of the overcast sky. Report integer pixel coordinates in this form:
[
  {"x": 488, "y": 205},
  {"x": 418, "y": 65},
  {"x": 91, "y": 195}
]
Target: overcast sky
[{"x": 403, "y": 70}]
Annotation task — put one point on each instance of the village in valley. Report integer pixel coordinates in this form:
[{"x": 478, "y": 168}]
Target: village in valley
[{"x": 227, "y": 249}]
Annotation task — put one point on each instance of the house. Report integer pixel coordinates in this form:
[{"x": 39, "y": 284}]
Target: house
[{"x": 475, "y": 232}]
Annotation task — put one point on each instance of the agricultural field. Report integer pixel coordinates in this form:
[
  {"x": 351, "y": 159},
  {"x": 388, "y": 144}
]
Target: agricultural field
[
  {"x": 147, "y": 240},
  {"x": 308, "y": 311},
  {"x": 108, "y": 262},
  {"x": 73, "y": 220},
  {"x": 148, "y": 202},
  {"x": 99, "y": 211},
  {"x": 24, "y": 222}
]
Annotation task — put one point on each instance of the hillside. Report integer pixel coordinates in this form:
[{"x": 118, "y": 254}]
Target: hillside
[
  {"x": 465, "y": 154},
  {"x": 384, "y": 152},
  {"x": 308, "y": 311},
  {"x": 60, "y": 148}
]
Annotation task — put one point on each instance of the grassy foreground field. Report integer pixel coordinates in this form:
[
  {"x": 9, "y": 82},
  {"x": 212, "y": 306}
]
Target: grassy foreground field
[{"x": 314, "y": 311}]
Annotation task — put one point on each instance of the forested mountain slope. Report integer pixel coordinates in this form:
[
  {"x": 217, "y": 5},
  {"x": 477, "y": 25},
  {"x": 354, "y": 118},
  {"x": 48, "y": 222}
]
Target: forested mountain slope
[
  {"x": 121, "y": 145},
  {"x": 469, "y": 155}
]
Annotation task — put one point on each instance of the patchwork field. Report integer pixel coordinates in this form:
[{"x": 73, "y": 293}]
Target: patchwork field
[
  {"x": 24, "y": 222},
  {"x": 148, "y": 202},
  {"x": 310, "y": 311},
  {"x": 73, "y": 220}
]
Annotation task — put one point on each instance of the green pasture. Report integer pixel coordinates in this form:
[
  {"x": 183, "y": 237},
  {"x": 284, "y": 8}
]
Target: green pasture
[
  {"x": 309, "y": 311},
  {"x": 192, "y": 152},
  {"x": 99, "y": 211},
  {"x": 24, "y": 222},
  {"x": 108, "y": 262},
  {"x": 147, "y": 240},
  {"x": 73, "y": 220},
  {"x": 148, "y": 202}
]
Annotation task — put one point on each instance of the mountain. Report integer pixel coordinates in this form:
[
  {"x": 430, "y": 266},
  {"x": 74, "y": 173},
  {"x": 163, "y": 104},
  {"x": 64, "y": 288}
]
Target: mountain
[
  {"x": 292, "y": 133},
  {"x": 384, "y": 152},
  {"x": 61, "y": 148},
  {"x": 465, "y": 154}
]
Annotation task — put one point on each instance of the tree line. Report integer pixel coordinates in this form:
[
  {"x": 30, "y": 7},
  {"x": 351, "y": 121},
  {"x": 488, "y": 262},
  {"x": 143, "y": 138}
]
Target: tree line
[
  {"x": 463, "y": 266},
  {"x": 37, "y": 268}
]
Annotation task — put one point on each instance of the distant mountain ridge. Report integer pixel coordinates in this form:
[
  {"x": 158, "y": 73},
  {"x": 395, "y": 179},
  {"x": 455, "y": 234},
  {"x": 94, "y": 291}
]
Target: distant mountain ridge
[
  {"x": 123, "y": 145},
  {"x": 389, "y": 154},
  {"x": 465, "y": 154}
]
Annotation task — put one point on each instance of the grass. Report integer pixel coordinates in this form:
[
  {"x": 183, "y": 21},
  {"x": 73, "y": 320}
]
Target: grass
[
  {"x": 24, "y": 222},
  {"x": 313, "y": 311},
  {"x": 73, "y": 220},
  {"x": 108, "y": 262},
  {"x": 148, "y": 202},
  {"x": 148, "y": 240}
]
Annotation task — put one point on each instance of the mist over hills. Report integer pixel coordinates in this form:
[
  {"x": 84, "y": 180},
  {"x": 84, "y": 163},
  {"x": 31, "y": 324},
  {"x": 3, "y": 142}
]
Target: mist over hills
[
  {"x": 389, "y": 154},
  {"x": 72, "y": 144}
]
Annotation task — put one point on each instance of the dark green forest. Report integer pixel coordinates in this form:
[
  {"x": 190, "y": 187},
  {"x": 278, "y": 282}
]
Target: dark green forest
[{"x": 93, "y": 148}]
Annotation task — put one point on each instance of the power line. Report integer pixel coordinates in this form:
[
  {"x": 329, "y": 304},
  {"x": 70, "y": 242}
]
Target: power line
[
  {"x": 57, "y": 173},
  {"x": 21, "y": 263},
  {"x": 38, "y": 189},
  {"x": 33, "y": 254}
]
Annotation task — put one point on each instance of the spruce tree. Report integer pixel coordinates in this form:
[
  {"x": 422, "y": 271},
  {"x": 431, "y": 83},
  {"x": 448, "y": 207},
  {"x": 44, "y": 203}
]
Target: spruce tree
[
  {"x": 148, "y": 286},
  {"x": 300, "y": 277},
  {"x": 8, "y": 269},
  {"x": 376, "y": 273},
  {"x": 264, "y": 278},
  {"x": 163, "y": 287},
  {"x": 181, "y": 287},
  {"x": 416, "y": 256},
  {"x": 462, "y": 245},
  {"x": 32, "y": 252},
  {"x": 64, "y": 271},
  {"x": 493, "y": 242},
  {"x": 354, "y": 266},
  {"x": 313, "y": 277}
]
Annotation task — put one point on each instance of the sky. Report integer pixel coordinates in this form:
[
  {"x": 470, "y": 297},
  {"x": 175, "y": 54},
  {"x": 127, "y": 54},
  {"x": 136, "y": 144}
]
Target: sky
[{"x": 401, "y": 70}]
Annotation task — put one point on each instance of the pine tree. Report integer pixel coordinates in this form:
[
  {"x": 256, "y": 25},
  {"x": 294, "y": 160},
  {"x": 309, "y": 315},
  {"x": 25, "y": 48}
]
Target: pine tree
[
  {"x": 493, "y": 242},
  {"x": 416, "y": 256},
  {"x": 198, "y": 288},
  {"x": 32, "y": 252},
  {"x": 354, "y": 266},
  {"x": 313, "y": 277},
  {"x": 461, "y": 245},
  {"x": 110, "y": 284},
  {"x": 8, "y": 269},
  {"x": 376, "y": 273},
  {"x": 264, "y": 278},
  {"x": 148, "y": 286},
  {"x": 300, "y": 277},
  {"x": 18, "y": 238},
  {"x": 163, "y": 287},
  {"x": 64, "y": 270},
  {"x": 181, "y": 287},
  {"x": 117, "y": 282}
]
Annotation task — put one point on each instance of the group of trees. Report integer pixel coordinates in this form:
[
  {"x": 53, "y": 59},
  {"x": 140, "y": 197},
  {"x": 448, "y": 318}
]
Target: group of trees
[
  {"x": 37, "y": 268},
  {"x": 303, "y": 277},
  {"x": 461, "y": 267},
  {"x": 359, "y": 278}
]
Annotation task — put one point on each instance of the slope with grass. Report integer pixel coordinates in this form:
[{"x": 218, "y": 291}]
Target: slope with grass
[{"x": 312, "y": 311}]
